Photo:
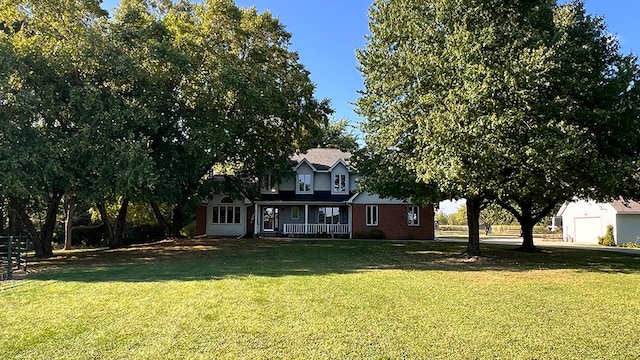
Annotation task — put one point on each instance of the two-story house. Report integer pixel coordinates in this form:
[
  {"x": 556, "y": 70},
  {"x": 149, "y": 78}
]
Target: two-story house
[{"x": 321, "y": 198}]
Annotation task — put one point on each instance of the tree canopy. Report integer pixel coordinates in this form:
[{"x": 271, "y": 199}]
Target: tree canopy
[
  {"x": 336, "y": 134},
  {"x": 141, "y": 106},
  {"x": 523, "y": 102}
]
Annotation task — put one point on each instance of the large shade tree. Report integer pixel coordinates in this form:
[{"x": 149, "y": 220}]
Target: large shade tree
[
  {"x": 219, "y": 87},
  {"x": 141, "y": 106},
  {"x": 222, "y": 88},
  {"x": 42, "y": 105},
  {"x": 581, "y": 123},
  {"x": 465, "y": 95}
]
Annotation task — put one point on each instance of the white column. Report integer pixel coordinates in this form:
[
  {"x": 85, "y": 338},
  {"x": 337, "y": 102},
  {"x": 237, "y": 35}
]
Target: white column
[
  {"x": 256, "y": 220},
  {"x": 306, "y": 217}
]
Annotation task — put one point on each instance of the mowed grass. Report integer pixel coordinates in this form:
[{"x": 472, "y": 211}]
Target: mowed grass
[{"x": 262, "y": 299}]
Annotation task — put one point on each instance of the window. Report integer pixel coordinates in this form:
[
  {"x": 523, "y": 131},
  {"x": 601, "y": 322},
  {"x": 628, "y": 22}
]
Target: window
[
  {"x": 413, "y": 215},
  {"x": 328, "y": 215},
  {"x": 372, "y": 215},
  {"x": 295, "y": 213},
  {"x": 339, "y": 183},
  {"x": 225, "y": 214},
  {"x": 268, "y": 185},
  {"x": 304, "y": 183}
]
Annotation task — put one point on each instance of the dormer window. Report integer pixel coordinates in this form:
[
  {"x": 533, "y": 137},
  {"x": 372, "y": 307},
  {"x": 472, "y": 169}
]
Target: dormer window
[
  {"x": 268, "y": 185},
  {"x": 339, "y": 179},
  {"x": 304, "y": 183},
  {"x": 339, "y": 183}
]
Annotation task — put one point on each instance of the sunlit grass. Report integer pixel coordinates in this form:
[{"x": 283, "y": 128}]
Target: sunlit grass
[{"x": 325, "y": 300}]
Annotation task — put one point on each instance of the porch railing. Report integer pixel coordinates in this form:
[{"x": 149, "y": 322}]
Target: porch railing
[{"x": 316, "y": 228}]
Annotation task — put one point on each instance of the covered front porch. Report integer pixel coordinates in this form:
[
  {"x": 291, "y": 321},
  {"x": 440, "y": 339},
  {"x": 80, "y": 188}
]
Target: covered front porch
[{"x": 296, "y": 218}]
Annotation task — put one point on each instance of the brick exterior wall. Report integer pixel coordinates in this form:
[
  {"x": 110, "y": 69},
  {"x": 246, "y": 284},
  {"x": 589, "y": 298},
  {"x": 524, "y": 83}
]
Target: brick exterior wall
[
  {"x": 392, "y": 220},
  {"x": 201, "y": 220}
]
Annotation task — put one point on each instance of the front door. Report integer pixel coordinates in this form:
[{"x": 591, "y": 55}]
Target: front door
[{"x": 270, "y": 219}]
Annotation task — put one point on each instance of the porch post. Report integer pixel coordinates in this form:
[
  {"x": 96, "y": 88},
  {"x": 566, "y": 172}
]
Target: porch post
[
  {"x": 306, "y": 218},
  {"x": 256, "y": 220}
]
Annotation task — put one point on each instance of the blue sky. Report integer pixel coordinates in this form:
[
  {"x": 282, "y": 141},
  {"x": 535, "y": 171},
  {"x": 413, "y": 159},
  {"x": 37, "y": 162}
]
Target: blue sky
[{"x": 327, "y": 32}]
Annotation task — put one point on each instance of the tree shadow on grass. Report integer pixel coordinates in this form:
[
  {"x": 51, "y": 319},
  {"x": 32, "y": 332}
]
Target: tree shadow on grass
[{"x": 211, "y": 259}]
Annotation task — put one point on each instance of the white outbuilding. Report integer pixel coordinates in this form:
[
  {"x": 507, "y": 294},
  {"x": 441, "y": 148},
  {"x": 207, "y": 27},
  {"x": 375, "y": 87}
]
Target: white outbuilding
[{"x": 584, "y": 221}]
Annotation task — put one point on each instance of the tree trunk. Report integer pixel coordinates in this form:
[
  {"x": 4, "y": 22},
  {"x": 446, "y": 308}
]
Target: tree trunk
[
  {"x": 167, "y": 228},
  {"x": 526, "y": 227},
  {"x": 16, "y": 227},
  {"x": 121, "y": 220},
  {"x": 108, "y": 227},
  {"x": 30, "y": 228},
  {"x": 46, "y": 233},
  {"x": 178, "y": 221},
  {"x": 68, "y": 226},
  {"x": 474, "y": 206},
  {"x": 41, "y": 239}
]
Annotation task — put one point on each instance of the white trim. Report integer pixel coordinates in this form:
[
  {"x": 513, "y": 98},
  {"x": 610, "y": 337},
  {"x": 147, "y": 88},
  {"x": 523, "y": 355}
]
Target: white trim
[
  {"x": 256, "y": 219},
  {"x": 306, "y": 215},
  {"x": 332, "y": 180},
  {"x": 298, "y": 191},
  {"x": 339, "y": 161},
  {"x": 374, "y": 214},
  {"x": 416, "y": 216},
  {"x": 295, "y": 168}
]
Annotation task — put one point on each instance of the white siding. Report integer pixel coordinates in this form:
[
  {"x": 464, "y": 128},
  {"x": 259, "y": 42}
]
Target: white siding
[
  {"x": 627, "y": 229},
  {"x": 584, "y": 221},
  {"x": 321, "y": 182},
  {"x": 288, "y": 184},
  {"x": 226, "y": 229}
]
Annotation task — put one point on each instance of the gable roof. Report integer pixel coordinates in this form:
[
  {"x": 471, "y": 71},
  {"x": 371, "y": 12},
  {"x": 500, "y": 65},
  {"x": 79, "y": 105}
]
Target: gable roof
[
  {"x": 626, "y": 206},
  {"x": 321, "y": 159}
]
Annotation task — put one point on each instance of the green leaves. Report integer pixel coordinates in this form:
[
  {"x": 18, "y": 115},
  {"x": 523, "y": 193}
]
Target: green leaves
[
  {"x": 144, "y": 104},
  {"x": 527, "y": 102}
]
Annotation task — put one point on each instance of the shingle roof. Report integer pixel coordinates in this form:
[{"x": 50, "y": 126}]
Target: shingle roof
[
  {"x": 321, "y": 158},
  {"x": 626, "y": 206}
]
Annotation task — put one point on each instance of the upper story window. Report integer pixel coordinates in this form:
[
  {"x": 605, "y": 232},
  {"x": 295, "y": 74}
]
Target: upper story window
[
  {"x": 268, "y": 184},
  {"x": 413, "y": 215},
  {"x": 304, "y": 183},
  {"x": 339, "y": 183}
]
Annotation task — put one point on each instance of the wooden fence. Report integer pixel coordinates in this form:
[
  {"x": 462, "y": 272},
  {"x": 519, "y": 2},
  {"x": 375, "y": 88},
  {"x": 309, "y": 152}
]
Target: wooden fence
[{"x": 13, "y": 255}]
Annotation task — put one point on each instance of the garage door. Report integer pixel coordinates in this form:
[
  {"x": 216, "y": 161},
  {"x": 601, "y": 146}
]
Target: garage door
[{"x": 587, "y": 230}]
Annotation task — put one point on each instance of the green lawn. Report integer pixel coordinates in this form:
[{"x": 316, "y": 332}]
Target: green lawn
[{"x": 260, "y": 299}]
